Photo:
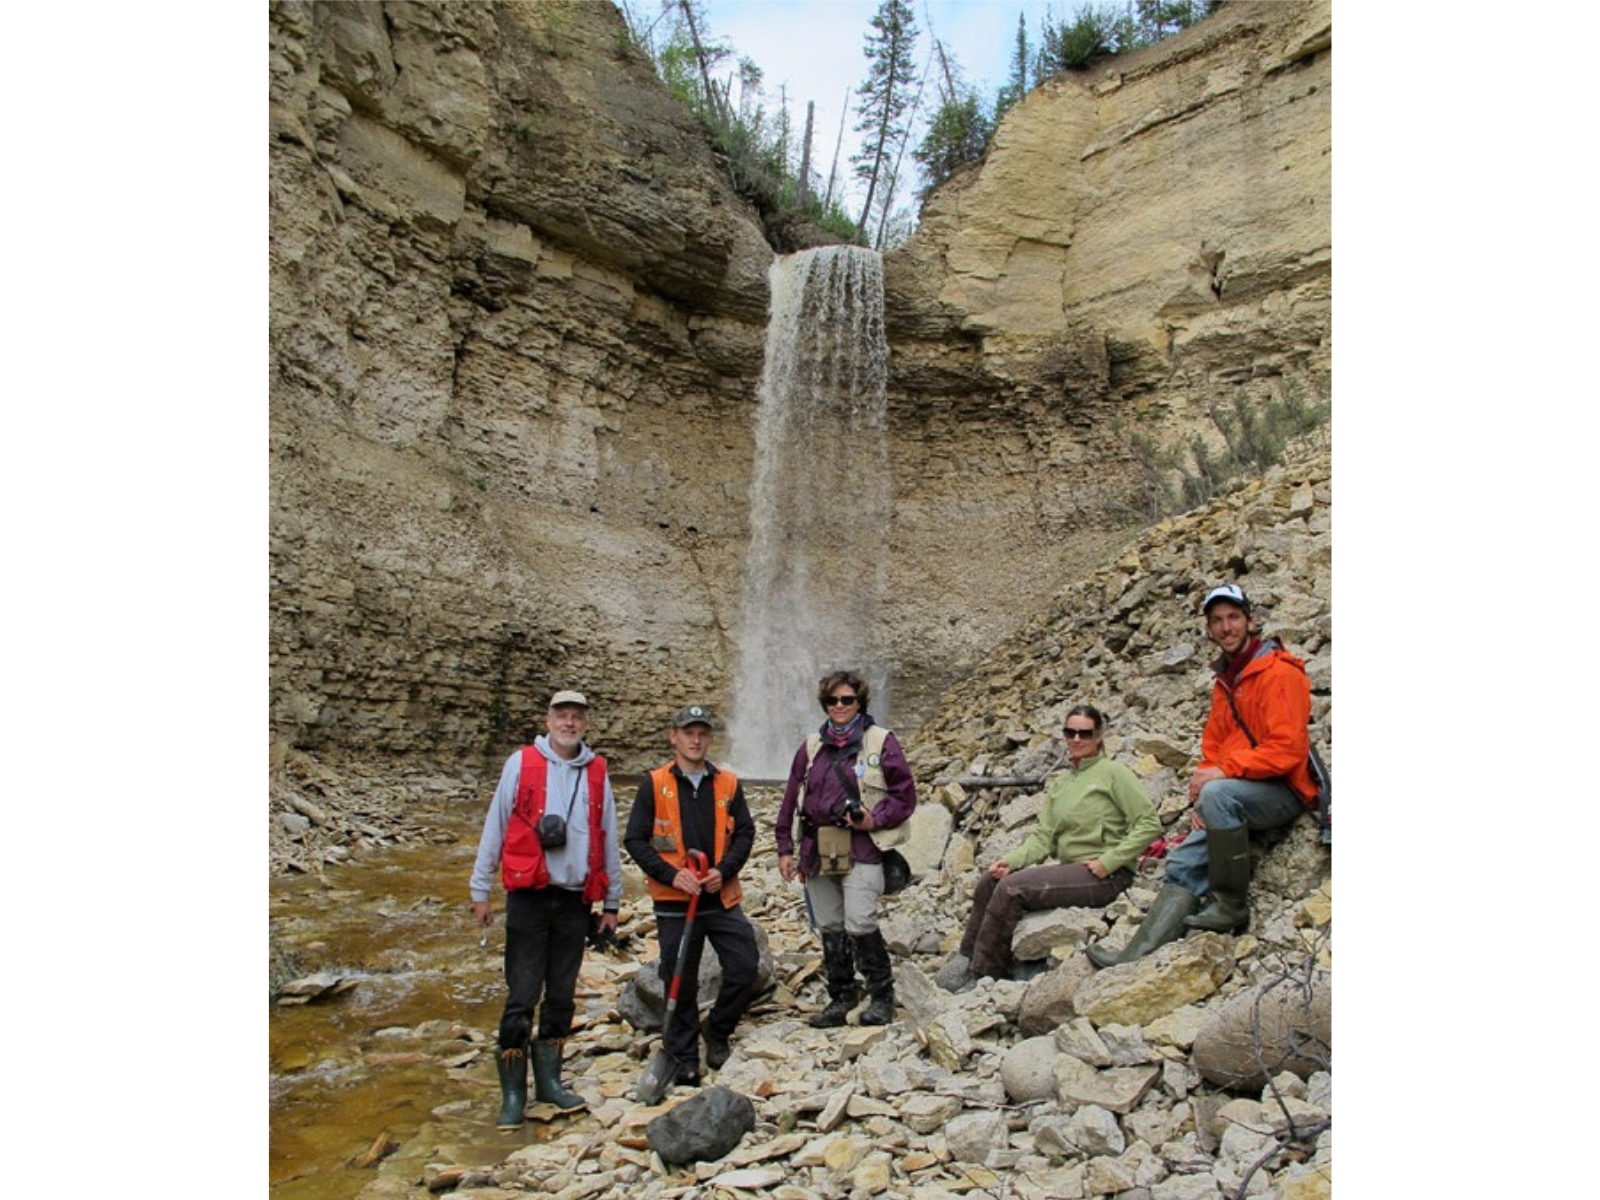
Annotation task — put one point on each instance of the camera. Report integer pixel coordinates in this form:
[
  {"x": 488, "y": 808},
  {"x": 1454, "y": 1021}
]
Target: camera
[
  {"x": 851, "y": 812},
  {"x": 552, "y": 831}
]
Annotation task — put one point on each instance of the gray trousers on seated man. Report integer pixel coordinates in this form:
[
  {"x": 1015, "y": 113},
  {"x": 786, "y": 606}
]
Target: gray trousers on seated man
[{"x": 998, "y": 905}]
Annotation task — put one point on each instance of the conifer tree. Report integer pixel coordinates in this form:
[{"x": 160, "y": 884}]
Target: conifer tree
[
  {"x": 1017, "y": 86},
  {"x": 885, "y": 95}
]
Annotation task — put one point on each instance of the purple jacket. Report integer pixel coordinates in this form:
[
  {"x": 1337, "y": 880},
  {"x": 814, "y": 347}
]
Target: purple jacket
[{"x": 825, "y": 797}]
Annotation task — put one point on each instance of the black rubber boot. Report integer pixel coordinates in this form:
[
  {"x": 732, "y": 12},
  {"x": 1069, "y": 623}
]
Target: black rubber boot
[
  {"x": 873, "y": 955},
  {"x": 547, "y": 1076},
  {"x": 1228, "y": 866},
  {"x": 513, "y": 1067},
  {"x": 839, "y": 966},
  {"x": 1162, "y": 924}
]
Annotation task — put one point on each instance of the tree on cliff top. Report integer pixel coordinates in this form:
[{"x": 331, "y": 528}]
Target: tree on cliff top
[
  {"x": 1017, "y": 86},
  {"x": 959, "y": 130},
  {"x": 753, "y": 143},
  {"x": 885, "y": 96}
]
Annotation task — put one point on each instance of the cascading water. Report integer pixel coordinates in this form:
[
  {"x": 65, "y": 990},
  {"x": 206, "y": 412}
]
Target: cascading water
[{"x": 819, "y": 505}]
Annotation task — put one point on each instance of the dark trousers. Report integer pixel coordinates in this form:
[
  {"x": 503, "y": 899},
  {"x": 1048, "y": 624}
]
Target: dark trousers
[
  {"x": 545, "y": 930},
  {"x": 731, "y": 935},
  {"x": 999, "y": 904}
]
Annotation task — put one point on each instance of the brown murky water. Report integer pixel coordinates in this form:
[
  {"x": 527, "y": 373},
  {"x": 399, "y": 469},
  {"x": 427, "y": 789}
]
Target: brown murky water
[{"x": 379, "y": 1061}]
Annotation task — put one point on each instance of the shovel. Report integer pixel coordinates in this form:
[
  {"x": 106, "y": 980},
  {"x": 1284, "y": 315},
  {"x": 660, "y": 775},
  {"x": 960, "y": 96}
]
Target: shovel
[{"x": 663, "y": 1068}]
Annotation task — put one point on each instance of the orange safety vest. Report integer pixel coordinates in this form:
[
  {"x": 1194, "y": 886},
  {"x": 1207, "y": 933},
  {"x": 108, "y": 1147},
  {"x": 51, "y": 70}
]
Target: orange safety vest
[
  {"x": 669, "y": 824},
  {"x": 522, "y": 862}
]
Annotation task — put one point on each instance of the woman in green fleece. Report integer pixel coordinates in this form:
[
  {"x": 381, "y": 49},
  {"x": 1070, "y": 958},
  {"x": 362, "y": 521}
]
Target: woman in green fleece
[{"x": 1096, "y": 821}]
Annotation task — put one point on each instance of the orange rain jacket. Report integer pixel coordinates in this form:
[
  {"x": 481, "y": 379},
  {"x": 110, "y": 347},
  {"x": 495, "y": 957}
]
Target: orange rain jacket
[{"x": 1274, "y": 699}]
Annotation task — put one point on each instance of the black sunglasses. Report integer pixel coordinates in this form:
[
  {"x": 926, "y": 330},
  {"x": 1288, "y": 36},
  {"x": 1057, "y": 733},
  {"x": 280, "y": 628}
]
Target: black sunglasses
[
  {"x": 839, "y": 701},
  {"x": 1079, "y": 733}
]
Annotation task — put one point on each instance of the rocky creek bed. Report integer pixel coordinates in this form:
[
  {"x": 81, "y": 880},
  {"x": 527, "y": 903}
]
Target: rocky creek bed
[{"x": 1067, "y": 1085}]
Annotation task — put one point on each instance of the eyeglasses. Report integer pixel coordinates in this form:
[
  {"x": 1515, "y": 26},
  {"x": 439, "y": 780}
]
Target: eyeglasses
[
  {"x": 1070, "y": 732},
  {"x": 840, "y": 701}
]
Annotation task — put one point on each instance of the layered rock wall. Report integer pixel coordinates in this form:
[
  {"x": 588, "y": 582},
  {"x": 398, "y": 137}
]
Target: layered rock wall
[
  {"x": 1145, "y": 240},
  {"x": 517, "y": 317}
]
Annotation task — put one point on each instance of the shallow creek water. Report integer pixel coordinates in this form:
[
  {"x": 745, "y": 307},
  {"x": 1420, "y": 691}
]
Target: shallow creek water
[{"x": 382, "y": 1059}]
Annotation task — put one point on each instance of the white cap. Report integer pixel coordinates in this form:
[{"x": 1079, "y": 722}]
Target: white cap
[
  {"x": 1231, "y": 592},
  {"x": 561, "y": 698}
]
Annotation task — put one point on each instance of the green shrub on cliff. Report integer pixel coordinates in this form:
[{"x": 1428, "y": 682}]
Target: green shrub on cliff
[
  {"x": 1100, "y": 31},
  {"x": 1255, "y": 436},
  {"x": 754, "y": 144}
]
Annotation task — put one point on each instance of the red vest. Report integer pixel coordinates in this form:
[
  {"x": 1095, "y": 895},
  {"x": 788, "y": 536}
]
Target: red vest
[
  {"x": 522, "y": 862},
  {"x": 669, "y": 823}
]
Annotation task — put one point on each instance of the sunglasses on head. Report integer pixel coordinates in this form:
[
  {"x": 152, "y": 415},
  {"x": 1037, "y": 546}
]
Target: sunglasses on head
[
  {"x": 840, "y": 701},
  {"x": 1079, "y": 733}
]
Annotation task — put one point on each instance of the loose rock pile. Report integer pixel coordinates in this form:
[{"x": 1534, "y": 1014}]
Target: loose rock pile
[{"x": 320, "y": 814}]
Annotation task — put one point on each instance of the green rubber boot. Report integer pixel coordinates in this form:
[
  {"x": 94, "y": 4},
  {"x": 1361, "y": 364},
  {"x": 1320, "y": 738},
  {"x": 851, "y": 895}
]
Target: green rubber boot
[
  {"x": 547, "y": 1077},
  {"x": 1162, "y": 924},
  {"x": 1228, "y": 866},
  {"x": 513, "y": 1067}
]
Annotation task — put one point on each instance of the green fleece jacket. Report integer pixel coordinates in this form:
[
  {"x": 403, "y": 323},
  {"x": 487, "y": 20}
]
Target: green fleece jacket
[{"x": 1098, "y": 811}]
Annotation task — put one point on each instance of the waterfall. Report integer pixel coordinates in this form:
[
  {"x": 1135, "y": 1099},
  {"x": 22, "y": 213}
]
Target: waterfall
[{"x": 819, "y": 505}]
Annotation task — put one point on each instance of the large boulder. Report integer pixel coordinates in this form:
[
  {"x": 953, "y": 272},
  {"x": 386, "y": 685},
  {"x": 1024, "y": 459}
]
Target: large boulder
[
  {"x": 1139, "y": 992},
  {"x": 1284, "y": 1025},
  {"x": 643, "y": 999},
  {"x": 703, "y": 1128},
  {"x": 1028, "y": 1070}
]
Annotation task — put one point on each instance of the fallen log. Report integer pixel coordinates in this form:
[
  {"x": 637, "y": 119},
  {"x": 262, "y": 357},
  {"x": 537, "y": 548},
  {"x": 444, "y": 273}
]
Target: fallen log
[{"x": 983, "y": 781}]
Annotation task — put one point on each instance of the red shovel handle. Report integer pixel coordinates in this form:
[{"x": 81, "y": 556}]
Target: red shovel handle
[
  {"x": 699, "y": 866},
  {"x": 697, "y": 863}
]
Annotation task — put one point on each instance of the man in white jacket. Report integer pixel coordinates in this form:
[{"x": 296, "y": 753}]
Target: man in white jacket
[{"x": 552, "y": 832}]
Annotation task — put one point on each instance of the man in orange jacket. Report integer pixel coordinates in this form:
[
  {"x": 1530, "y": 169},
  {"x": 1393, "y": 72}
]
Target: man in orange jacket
[
  {"x": 690, "y": 803},
  {"x": 1253, "y": 774}
]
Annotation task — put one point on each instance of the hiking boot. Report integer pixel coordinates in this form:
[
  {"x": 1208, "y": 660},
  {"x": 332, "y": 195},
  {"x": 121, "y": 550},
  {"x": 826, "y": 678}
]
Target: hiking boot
[
  {"x": 839, "y": 966},
  {"x": 688, "y": 1074},
  {"x": 1228, "y": 866},
  {"x": 873, "y": 955},
  {"x": 547, "y": 1076},
  {"x": 1022, "y": 972},
  {"x": 717, "y": 1051},
  {"x": 513, "y": 1068},
  {"x": 1162, "y": 924}
]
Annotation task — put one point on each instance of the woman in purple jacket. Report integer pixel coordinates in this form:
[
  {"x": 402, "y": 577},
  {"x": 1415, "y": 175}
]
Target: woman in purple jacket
[{"x": 849, "y": 798}]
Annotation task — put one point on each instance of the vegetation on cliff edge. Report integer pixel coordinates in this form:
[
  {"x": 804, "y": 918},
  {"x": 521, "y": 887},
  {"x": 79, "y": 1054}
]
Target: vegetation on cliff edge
[{"x": 771, "y": 163}]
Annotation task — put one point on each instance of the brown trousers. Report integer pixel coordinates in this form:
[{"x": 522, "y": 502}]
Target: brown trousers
[{"x": 999, "y": 904}]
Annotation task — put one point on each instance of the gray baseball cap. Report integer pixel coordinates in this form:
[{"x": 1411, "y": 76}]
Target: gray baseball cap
[{"x": 694, "y": 714}]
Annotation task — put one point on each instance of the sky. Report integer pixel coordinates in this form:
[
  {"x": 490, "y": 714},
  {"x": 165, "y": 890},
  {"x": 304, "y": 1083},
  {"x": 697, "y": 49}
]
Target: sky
[{"x": 815, "y": 47}]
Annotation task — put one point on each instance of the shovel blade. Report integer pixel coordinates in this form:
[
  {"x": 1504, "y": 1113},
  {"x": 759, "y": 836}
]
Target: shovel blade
[{"x": 657, "y": 1078}]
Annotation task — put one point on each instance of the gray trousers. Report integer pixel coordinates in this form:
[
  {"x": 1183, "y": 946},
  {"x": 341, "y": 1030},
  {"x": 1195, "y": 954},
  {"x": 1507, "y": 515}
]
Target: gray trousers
[{"x": 849, "y": 901}]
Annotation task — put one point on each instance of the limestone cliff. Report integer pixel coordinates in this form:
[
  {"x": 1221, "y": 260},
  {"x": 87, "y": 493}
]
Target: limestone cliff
[
  {"x": 517, "y": 318},
  {"x": 1143, "y": 241},
  {"x": 516, "y": 325}
]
